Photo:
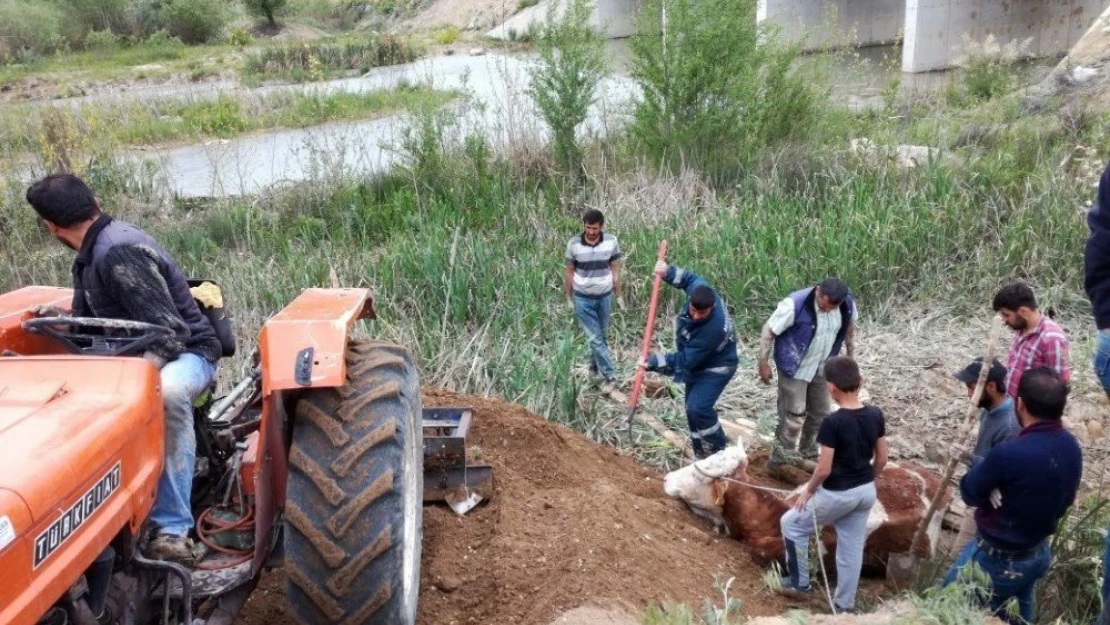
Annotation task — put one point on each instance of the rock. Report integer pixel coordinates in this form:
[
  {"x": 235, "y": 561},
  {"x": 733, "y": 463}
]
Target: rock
[
  {"x": 906, "y": 156},
  {"x": 1080, "y": 75},
  {"x": 1094, "y": 430},
  {"x": 448, "y": 584},
  {"x": 477, "y": 51},
  {"x": 149, "y": 67}
]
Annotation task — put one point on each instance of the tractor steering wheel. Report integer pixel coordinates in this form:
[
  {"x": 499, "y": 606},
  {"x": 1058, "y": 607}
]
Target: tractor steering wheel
[{"x": 111, "y": 337}]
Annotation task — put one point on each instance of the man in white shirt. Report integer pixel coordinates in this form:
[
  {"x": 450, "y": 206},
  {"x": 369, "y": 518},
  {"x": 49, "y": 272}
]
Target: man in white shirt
[{"x": 806, "y": 329}]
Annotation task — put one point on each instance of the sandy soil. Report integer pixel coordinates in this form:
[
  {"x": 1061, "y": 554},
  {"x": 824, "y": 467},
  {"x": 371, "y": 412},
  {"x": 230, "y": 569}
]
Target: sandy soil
[{"x": 575, "y": 533}]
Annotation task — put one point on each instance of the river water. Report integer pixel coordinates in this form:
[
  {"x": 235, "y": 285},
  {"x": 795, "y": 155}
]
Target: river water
[{"x": 495, "y": 104}]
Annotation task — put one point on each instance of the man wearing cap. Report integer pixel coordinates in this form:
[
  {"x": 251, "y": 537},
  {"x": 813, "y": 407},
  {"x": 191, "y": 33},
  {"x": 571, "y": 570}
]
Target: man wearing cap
[
  {"x": 997, "y": 424},
  {"x": 807, "y": 328},
  {"x": 1021, "y": 490},
  {"x": 705, "y": 358}
]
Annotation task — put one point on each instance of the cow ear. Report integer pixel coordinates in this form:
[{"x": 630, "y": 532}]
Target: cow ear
[{"x": 720, "y": 487}]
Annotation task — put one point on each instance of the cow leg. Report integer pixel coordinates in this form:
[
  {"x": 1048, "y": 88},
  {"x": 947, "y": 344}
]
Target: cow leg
[
  {"x": 818, "y": 405},
  {"x": 792, "y": 415},
  {"x": 851, "y": 534}
]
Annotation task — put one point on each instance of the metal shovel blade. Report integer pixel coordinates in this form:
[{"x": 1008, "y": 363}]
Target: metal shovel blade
[{"x": 462, "y": 500}]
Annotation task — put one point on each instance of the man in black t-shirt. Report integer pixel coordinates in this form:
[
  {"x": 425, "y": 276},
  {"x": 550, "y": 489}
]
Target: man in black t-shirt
[{"x": 842, "y": 490}]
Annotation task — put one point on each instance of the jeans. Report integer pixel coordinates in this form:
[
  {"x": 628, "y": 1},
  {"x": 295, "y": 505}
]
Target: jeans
[
  {"x": 183, "y": 380},
  {"x": 702, "y": 392},
  {"x": 802, "y": 407},
  {"x": 593, "y": 316},
  {"x": 1010, "y": 579},
  {"x": 847, "y": 511},
  {"x": 1102, "y": 359}
]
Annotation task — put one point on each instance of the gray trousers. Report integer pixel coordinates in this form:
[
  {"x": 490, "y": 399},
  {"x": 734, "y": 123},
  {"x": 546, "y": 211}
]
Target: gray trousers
[
  {"x": 802, "y": 407},
  {"x": 847, "y": 512}
]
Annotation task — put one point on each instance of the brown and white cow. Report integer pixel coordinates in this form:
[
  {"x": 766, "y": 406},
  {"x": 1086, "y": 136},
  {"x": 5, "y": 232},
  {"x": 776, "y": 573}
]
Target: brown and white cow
[{"x": 752, "y": 516}]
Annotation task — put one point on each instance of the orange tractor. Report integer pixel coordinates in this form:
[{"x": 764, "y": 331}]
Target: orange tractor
[{"x": 313, "y": 462}]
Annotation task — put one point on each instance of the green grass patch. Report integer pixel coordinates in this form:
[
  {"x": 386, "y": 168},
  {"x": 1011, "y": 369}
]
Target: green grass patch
[
  {"x": 115, "y": 63},
  {"x": 35, "y": 129},
  {"x": 315, "y": 61}
]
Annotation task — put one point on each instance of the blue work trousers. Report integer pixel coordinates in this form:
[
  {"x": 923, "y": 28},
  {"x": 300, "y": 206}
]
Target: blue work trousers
[{"x": 703, "y": 389}]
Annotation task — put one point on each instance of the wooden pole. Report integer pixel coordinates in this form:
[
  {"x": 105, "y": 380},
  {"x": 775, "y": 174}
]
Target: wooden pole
[{"x": 969, "y": 423}]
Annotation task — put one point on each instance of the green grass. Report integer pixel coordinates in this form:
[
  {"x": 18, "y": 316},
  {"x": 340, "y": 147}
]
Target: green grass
[
  {"x": 318, "y": 60},
  {"x": 117, "y": 63},
  {"x": 27, "y": 129}
]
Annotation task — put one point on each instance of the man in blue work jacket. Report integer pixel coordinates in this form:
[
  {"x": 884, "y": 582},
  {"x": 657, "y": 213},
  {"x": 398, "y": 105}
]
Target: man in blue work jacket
[{"x": 705, "y": 358}]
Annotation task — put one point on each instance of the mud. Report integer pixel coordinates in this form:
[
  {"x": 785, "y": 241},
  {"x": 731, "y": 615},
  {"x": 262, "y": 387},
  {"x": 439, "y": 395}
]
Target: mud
[{"x": 572, "y": 525}]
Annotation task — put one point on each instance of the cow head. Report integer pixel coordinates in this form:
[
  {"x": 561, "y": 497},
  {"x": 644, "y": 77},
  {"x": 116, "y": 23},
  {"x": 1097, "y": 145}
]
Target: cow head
[{"x": 698, "y": 486}]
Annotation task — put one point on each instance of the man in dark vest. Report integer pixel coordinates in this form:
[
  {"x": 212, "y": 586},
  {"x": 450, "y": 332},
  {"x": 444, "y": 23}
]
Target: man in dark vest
[
  {"x": 122, "y": 273},
  {"x": 705, "y": 356},
  {"x": 806, "y": 329}
]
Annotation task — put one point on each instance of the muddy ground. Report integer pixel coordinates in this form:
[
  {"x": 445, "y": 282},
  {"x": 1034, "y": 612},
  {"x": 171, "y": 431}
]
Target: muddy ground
[{"x": 575, "y": 530}]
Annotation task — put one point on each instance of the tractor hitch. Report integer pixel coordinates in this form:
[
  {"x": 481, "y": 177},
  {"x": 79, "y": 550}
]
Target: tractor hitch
[{"x": 448, "y": 476}]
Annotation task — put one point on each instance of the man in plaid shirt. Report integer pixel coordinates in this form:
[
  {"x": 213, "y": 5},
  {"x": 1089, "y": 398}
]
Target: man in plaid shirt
[{"x": 1038, "y": 341}]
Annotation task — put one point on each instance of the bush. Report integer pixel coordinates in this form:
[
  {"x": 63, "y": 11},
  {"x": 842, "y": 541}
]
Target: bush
[
  {"x": 28, "y": 27},
  {"x": 93, "y": 15},
  {"x": 447, "y": 36},
  {"x": 194, "y": 21},
  {"x": 162, "y": 39},
  {"x": 316, "y": 60},
  {"x": 989, "y": 69},
  {"x": 145, "y": 17},
  {"x": 716, "y": 85},
  {"x": 239, "y": 37},
  {"x": 101, "y": 40},
  {"x": 269, "y": 9},
  {"x": 564, "y": 82}
]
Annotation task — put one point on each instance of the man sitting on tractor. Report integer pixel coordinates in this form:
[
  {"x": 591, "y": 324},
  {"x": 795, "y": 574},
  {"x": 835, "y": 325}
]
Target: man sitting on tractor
[{"x": 122, "y": 273}]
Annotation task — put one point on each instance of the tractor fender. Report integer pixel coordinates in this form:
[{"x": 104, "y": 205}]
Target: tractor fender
[{"x": 304, "y": 345}]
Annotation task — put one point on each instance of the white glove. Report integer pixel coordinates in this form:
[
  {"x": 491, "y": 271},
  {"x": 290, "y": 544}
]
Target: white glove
[
  {"x": 996, "y": 499},
  {"x": 660, "y": 267}
]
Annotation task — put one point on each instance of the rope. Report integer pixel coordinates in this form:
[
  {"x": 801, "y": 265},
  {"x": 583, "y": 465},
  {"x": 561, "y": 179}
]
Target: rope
[{"x": 816, "y": 527}]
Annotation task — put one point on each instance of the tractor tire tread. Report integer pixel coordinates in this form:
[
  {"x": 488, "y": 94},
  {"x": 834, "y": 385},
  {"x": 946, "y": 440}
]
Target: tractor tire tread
[{"x": 344, "y": 510}]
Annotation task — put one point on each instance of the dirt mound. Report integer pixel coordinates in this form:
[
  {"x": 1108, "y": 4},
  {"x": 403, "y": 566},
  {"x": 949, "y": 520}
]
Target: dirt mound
[{"x": 571, "y": 524}]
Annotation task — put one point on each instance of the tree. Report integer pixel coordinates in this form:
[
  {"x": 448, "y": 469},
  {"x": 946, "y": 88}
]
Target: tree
[
  {"x": 564, "y": 82},
  {"x": 268, "y": 9}
]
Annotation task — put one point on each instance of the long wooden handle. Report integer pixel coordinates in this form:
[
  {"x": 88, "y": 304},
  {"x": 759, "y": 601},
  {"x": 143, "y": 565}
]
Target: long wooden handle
[
  {"x": 954, "y": 461},
  {"x": 645, "y": 349}
]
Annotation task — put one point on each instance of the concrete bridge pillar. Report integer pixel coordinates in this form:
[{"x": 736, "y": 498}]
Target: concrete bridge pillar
[
  {"x": 935, "y": 30},
  {"x": 858, "y": 22}
]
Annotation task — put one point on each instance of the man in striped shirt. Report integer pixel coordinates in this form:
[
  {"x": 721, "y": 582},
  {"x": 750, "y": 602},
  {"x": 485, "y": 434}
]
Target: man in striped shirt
[
  {"x": 1038, "y": 341},
  {"x": 591, "y": 279}
]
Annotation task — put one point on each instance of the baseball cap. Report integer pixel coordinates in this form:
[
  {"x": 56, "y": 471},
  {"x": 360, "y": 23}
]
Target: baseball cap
[{"x": 970, "y": 373}]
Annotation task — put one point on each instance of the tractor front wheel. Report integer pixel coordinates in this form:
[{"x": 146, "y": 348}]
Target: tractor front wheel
[{"x": 353, "y": 513}]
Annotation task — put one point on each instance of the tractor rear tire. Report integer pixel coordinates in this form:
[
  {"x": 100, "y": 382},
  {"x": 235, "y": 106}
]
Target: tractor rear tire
[{"x": 353, "y": 512}]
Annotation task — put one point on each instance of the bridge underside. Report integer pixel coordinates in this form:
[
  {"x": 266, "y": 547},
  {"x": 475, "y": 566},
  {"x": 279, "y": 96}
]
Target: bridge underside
[{"x": 933, "y": 32}]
